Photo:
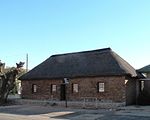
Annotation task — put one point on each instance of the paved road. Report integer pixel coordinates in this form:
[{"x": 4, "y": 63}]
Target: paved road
[{"x": 29, "y": 112}]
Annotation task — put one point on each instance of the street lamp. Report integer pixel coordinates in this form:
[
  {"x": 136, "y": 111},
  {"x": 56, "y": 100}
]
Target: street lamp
[{"x": 66, "y": 82}]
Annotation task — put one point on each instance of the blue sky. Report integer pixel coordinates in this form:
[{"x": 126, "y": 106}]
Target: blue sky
[{"x": 42, "y": 28}]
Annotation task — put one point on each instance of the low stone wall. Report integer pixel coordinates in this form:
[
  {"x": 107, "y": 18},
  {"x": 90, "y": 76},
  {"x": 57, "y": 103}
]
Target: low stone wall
[{"x": 73, "y": 104}]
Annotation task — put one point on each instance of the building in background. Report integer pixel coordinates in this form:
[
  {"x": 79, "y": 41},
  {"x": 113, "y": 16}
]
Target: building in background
[{"x": 144, "y": 96}]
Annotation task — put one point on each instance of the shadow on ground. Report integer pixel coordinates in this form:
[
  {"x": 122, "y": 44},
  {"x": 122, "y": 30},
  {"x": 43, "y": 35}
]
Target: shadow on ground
[{"x": 31, "y": 110}]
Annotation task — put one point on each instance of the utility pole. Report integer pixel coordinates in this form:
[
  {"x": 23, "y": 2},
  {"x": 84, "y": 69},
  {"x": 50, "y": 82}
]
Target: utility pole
[{"x": 27, "y": 62}]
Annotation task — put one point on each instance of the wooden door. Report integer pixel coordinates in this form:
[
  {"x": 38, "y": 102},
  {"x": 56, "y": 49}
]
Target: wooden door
[{"x": 62, "y": 92}]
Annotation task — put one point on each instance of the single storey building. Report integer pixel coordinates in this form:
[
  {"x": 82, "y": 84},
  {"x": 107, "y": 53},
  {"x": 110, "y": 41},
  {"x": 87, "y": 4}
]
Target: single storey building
[
  {"x": 101, "y": 74},
  {"x": 144, "y": 94},
  {"x": 145, "y": 82}
]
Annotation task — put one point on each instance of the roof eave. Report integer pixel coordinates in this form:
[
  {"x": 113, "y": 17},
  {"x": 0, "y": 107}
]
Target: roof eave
[{"x": 50, "y": 78}]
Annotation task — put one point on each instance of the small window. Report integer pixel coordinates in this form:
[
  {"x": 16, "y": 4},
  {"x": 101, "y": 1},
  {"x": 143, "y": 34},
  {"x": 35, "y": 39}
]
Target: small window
[
  {"x": 75, "y": 88},
  {"x": 142, "y": 85},
  {"x": 34, "y": 88},
  {"x": 101, "y": 87},
  {"x": 54, "y": 88}
]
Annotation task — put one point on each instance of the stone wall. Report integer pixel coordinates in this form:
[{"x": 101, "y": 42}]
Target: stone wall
[
  {"x": 114, "y": 89},
  {"x": 43, "y": 89}
]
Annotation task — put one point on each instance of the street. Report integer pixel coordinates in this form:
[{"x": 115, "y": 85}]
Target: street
[{"x": 30, "y": 112}]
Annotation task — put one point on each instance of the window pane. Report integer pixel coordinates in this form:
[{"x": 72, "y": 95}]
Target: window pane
[
  {"x": 54, "y": 88},
  {"x": 142, "y": 85},
  {"x": 75, "y": 88},
  {"x": 101, "y": 87},
  {"x": 34, "y": 88}
]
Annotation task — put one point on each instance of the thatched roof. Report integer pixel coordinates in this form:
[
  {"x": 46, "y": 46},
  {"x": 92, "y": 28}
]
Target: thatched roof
[
  {"x": 102, "y": 62},
  {"x": 145, "y": 69}
]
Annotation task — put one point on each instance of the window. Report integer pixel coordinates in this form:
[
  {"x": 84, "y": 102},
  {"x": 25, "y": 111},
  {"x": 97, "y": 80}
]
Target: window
[
  {"x": 142, "y": 85},
  {"x": 75, "y": 88},
  {"x": 54, "y": 88},
  {"x": 101, "y": 87},
  {"x": 34, "y": 88}
]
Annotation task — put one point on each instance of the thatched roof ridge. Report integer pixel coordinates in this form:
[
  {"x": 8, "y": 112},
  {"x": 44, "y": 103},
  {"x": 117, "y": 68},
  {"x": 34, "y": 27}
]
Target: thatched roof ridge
[{"x": 102, "y": 62}]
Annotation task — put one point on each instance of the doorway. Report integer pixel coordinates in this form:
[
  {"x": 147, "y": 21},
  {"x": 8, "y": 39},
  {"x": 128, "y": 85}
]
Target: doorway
[{"x": 62, "y": 92}]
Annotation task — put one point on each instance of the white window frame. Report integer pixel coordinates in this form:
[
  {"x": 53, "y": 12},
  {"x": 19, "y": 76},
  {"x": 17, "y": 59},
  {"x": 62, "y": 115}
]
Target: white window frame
[
  {"x": 101, "y": 87},
  {"x": 142, "y": 85},
  {"x": 54, "y": 88},
  {"x": 75, "y": 88},
  {"x": 34, "y": 88}
]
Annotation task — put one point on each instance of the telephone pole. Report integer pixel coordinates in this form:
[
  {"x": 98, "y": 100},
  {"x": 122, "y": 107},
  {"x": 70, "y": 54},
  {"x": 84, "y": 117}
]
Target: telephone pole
[{"x": 27, "y": 62}]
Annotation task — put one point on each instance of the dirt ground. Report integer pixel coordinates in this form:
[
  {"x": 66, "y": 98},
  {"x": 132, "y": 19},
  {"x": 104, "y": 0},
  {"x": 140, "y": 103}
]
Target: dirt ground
[{"x": 30, "y": 112}]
